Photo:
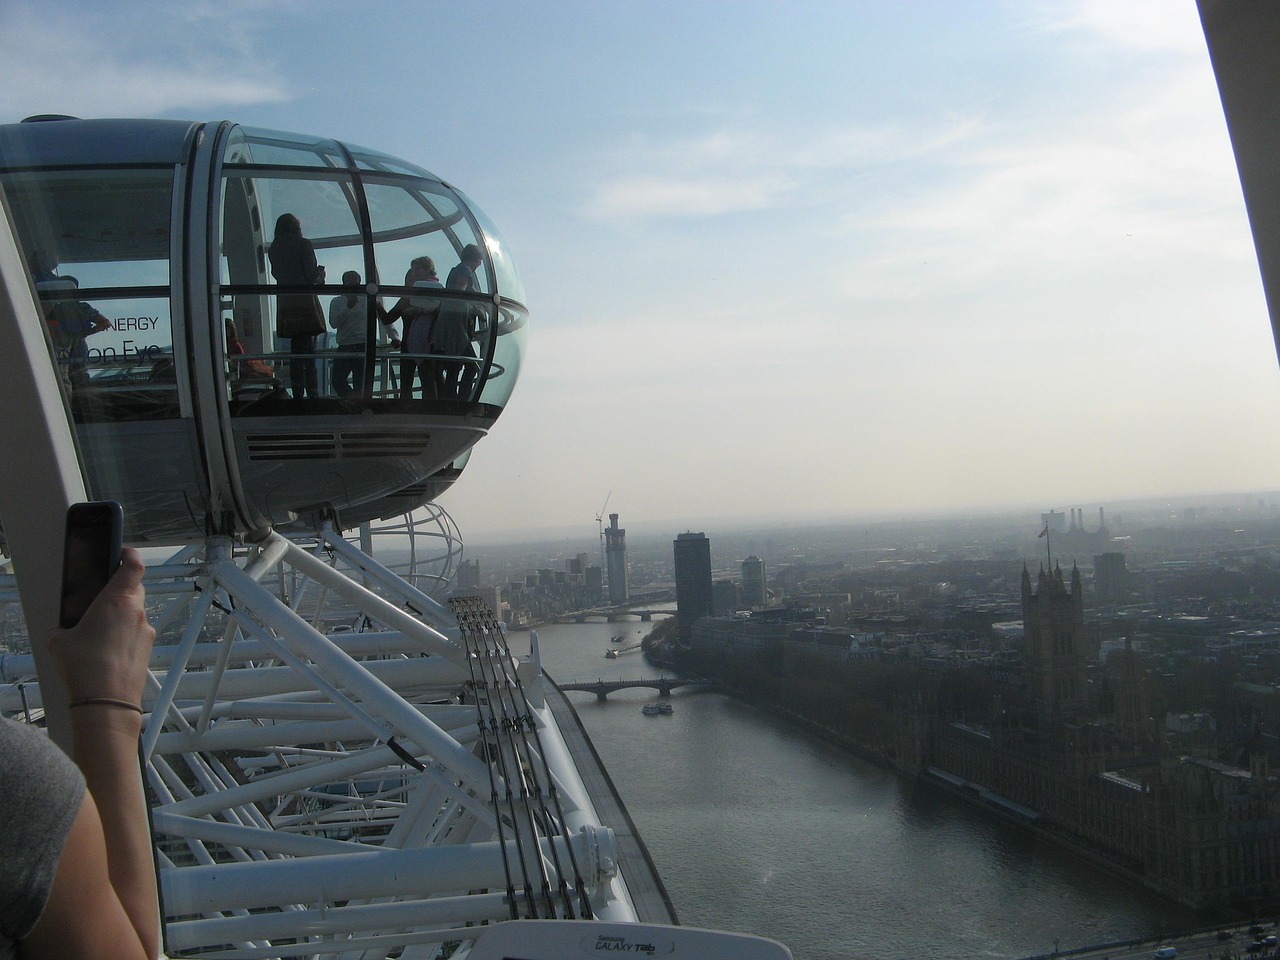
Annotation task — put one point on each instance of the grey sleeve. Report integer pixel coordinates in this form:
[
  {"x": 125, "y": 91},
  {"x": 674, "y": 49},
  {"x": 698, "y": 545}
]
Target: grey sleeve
[{"x": 41, "y": 790}]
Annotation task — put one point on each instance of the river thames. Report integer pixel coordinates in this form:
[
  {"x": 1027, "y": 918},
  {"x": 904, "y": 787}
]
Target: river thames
[{"x": 757, "y": 826}]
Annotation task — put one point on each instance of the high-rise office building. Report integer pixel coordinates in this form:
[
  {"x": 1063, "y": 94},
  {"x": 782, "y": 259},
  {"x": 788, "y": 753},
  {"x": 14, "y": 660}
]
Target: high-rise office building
[
  {"x": 615, "y": 552},
  {"x": 693, "y": 580},
  {"x": 468, "y": 580},
  {"x": 1110, "y": 578},
  {"x": 725, "y": 597},
  {"x": 753, "y": 589}
]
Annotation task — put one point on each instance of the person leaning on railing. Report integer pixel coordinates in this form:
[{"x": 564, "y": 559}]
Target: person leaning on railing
[
  {"x": 77, "y": 877},
  {"x": 419, "y": 314}
]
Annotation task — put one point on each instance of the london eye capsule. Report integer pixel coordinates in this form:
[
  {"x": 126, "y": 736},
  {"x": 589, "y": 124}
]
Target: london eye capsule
[{"x": 190, "y": 274}]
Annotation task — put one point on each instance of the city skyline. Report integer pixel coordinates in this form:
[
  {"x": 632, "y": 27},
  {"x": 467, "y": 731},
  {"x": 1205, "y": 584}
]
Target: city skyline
[
  {"x": 1014, "y": 521},
  {"x": 1231, "y": 519},
  {"x": 873, "y": 260}
]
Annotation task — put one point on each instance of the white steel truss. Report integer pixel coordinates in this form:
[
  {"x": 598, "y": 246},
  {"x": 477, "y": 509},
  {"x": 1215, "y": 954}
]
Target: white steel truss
[{"x": 339, "y": 765}]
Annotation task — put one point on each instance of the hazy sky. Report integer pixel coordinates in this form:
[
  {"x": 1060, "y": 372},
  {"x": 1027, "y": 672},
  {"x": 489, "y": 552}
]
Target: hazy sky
[{"x": 815, "y": 258}]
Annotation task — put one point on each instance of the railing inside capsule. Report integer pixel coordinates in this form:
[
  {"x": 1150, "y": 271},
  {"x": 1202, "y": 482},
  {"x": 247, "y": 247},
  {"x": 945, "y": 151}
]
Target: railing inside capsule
[{"x": 397, "y": 375}]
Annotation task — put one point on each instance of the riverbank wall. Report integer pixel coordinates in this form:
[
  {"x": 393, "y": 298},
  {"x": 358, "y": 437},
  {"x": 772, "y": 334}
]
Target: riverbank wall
[{"x": 1007, "y": 813}]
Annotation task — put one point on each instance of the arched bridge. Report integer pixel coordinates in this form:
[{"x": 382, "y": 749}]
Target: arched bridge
[
  {"x": 602, "y": 688},
  {"x": 612, "y": 614}
]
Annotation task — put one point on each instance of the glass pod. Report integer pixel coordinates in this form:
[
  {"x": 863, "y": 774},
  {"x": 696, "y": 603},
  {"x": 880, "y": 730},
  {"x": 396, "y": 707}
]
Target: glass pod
[{"x": 256, "y": 328}]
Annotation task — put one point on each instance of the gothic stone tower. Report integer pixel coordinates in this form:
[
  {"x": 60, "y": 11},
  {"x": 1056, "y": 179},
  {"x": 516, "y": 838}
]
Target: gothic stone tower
[{"x": 1053, "y": 622}]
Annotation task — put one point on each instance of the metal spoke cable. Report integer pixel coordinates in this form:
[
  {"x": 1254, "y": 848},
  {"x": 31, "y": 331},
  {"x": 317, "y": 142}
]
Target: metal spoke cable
[
  {"x": 516, "y": 707},
  {"x": 558, "y": 816},
  {"x": 477, "y": 686},
  {"x": 476, "y": 636},
  {"x": 511, "y": 721},
  {"x": 511, "y": 733},
  {"x": 553, "y": 817},
  {"x": 507, "y": 758}
]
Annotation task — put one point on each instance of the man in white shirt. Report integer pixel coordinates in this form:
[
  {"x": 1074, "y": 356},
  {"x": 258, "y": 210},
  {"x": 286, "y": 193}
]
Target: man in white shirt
[{"x": 349, "y": 317}]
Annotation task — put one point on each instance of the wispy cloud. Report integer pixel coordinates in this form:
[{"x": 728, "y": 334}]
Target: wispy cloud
[
  {"x": 754, "y": 166},
  {"x": 1142, "y": 177},
  {"x": 92, "y": 62},
  {"x": 658, "y": 196},
  {"x": 1136, "y": 24},
  {"x": 724, "y": 171}
]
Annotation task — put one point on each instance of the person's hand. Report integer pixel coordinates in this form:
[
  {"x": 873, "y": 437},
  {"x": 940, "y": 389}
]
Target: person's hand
[{"x": 106, "y": 654}]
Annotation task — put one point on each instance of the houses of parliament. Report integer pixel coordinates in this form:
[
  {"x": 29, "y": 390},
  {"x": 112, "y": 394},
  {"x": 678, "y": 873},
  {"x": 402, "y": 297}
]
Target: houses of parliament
[{"x": 1099, "y": 777}]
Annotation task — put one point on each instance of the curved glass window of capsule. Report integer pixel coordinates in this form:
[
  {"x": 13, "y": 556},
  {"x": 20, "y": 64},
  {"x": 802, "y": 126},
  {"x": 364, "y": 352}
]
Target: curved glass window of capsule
[
  {"x": 98, "y": 246},
  {"x": 258, "y": 336}
]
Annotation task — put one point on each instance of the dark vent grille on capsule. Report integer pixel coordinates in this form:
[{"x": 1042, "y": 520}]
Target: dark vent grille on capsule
[{"x": 336, "y": 446}]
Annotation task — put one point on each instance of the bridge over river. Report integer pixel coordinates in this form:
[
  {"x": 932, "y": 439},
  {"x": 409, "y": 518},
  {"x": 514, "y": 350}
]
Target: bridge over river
[
  {"x": 612, "y": 614},
  {"x": 602, "y": 688}
]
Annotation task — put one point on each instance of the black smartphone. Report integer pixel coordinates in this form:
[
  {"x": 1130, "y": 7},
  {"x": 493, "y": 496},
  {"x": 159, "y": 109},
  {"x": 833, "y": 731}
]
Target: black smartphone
[{"x": 90, "y": 555}]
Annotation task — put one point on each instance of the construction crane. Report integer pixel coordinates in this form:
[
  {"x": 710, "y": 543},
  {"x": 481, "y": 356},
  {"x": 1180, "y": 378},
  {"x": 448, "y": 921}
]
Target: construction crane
[{"x": 604, "y": 567}]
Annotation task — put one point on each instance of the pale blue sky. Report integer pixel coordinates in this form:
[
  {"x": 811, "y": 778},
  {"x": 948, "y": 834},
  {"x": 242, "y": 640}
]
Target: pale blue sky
[{"x": 839, "y": 258}]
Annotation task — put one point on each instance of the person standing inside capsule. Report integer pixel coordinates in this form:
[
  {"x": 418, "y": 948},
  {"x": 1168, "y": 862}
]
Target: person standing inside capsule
[
  {"x": 453, "y": 330},
  {"x": 70, "y": 322},
  {"x": 298, "y": 316},
  {"x": 349, "y": 317},
  {"x": 419, "y": 314},
  {"x": 463, "y": 276}
]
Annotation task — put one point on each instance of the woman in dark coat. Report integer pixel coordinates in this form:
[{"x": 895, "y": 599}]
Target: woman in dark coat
[{"x": 298, "y": 316}]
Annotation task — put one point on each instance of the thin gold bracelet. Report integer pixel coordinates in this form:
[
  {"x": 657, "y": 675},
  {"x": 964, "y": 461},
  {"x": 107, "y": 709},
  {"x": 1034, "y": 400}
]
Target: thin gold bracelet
[{"x": 105, "y": 701}]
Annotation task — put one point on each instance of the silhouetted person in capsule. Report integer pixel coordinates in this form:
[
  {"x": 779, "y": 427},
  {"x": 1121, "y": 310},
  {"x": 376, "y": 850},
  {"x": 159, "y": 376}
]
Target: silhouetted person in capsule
[
  {"x": 349, "y": 317},
  {"x": 70, "y": 323},
  {"x": 419, "y": 315},
  {"x": 43, "y": 265},
  {"x": 453, "y": 328},
  {"x": 298, "y": 316},
  {"x": 463, "y": 276}
]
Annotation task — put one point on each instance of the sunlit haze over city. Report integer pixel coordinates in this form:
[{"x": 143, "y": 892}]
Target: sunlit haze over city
[{"x": 864, "y": 259}]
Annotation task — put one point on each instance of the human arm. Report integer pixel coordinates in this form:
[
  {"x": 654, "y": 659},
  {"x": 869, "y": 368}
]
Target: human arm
[
  {"x": 95, "y": 321},
  {"x": 403, "y": 309},
  {"x": 103, "y": 902}
]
